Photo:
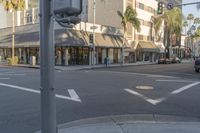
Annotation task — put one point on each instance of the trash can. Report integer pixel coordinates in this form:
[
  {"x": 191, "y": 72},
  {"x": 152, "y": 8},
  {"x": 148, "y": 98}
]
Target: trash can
[{"x": 33, "y": 60}]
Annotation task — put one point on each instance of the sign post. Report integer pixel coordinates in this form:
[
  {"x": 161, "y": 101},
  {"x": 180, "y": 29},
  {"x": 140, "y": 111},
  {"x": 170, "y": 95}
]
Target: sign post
[
  {"x": 65, "y": 12},
  {"x": 48, "y": 103}
]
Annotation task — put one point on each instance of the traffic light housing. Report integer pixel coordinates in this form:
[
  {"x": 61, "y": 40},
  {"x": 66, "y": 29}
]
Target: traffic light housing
[
  {"x": 160, "y": 8},
  {"x": 91, "y": 38}
]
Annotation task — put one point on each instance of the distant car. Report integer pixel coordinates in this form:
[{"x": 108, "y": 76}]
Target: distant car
[
  {"x": 164, "y": 61},
  {"x": 175, "y": 60},
  {"x": 197, "y": 64}
]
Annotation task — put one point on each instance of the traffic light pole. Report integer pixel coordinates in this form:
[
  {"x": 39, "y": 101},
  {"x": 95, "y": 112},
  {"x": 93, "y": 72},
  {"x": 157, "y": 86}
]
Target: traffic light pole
[
  {"x": 48, "y": 103},
  {"x": 94, "y": 21}
]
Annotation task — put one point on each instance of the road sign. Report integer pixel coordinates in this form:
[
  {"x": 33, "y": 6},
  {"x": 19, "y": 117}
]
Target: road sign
[
  {"x": 93, "y": 27},
  {"x": 170, "y": 6}
]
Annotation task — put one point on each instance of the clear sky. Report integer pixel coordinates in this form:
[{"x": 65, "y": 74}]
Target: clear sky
[{"x": 191, "y": 8}]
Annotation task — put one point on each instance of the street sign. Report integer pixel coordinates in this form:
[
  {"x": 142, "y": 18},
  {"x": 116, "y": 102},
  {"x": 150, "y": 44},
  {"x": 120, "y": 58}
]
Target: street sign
[
  {"x": 93, "y": 27},
  {"x": 170, "y": 6}
]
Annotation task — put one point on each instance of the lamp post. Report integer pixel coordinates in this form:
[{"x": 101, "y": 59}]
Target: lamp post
[
  {"x": 13, "y": 36},
  {"x": 94, "y": 21}
]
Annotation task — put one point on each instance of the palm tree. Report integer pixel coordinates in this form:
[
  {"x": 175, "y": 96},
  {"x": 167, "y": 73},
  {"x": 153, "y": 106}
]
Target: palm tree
[
  {"x": 156, "y": 25},
  {"x": 129, "y": 16},
  {"x": 172, "y": 25},
  {"x": 197, "y": 21},
  {"x": 13, "y": 6},
  {"x": 190, "y": 17}
]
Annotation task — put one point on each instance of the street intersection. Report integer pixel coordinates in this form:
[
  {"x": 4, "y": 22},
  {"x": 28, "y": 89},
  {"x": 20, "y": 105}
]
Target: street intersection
[{"x": 151, "y": 89}]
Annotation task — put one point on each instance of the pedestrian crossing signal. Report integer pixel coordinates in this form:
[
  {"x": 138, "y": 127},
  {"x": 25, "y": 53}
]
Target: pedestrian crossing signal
[{"x": 160, "y": 8}]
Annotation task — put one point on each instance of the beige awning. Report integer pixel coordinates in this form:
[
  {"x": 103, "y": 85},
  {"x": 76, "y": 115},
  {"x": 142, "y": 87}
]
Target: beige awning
[
  {"x": 28, "y": 36},
  {"x": 147, "y": 46}
]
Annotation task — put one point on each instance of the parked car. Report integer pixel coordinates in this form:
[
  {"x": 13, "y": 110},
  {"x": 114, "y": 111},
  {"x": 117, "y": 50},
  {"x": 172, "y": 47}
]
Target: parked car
[
  {"x": 197, "y": 64},
  {"x": 164, "y": 61},
  {"x": 175, "y": 60}
]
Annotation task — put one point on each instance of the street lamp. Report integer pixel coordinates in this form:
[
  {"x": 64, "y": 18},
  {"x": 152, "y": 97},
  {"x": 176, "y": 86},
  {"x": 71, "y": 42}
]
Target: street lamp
[
  {"x": 94, "y": 21},
  {"x": 65, "y": 12}
]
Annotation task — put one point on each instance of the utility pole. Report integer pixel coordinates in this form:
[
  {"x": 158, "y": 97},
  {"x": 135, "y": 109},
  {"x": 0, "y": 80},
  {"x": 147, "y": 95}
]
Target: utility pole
[
  {"x": 94, "y": 21},
  {"x": 13, "y": 37},
  {"x": 48, "y": 103}
]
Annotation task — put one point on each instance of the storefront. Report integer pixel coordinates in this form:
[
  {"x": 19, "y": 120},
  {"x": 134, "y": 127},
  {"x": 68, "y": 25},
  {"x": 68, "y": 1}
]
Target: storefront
[
  {"x": 72, "y": 47},
  {"x": 147, "y": 51}
]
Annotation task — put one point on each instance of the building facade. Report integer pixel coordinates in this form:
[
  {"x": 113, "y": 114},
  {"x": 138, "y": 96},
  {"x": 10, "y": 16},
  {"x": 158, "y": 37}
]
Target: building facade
[{"x": 72, "y": 46}]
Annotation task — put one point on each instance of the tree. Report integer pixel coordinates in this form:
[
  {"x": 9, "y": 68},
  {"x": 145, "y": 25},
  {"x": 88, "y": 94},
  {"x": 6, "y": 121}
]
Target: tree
[
  {"x": 13, "y": 6},
  {"x": 172, "y": 26},
  {"x": 156, "y": 25},
  {"x": 129, "y": 16},
  {"x": 190, "y": 17},
  {"x": 197, "y": 21}
]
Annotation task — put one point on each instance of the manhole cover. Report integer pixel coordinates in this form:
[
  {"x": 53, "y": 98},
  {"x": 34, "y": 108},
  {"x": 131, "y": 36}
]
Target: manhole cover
[{"x": 144, "y": 87}]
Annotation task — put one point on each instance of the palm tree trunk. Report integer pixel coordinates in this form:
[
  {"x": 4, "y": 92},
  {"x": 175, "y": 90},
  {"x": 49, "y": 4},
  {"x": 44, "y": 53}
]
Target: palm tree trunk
[
  {"x": 122, "y": 51},
  {"x": 122, "y": 58},
  {"x": 164, "y": 41},
  {"x": 13, "y": 37}
]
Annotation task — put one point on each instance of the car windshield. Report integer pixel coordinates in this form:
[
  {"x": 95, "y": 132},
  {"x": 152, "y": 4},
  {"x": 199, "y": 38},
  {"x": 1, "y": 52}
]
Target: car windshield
[{"x": 99, "y": 66}]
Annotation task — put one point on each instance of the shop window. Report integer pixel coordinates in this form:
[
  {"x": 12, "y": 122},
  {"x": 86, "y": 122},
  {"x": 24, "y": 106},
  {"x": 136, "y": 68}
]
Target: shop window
[{"x": 141, "y": 6}]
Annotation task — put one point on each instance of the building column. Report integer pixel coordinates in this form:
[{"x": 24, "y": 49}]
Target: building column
[
  {"x": 119, "y": 55},
  {"x": 66, "y": 56},
  {"x": 104, "y": 54},
  {"x": 20, "y": 54},
  {"x": 24, "y": 56},
  {"x": 143, "y": 56},
  {"x": 59, "y": 59},
  {"x": 97, "y": 56},
  {"x": 90, "y": 56},
  {"x": 110, "y": 55}
]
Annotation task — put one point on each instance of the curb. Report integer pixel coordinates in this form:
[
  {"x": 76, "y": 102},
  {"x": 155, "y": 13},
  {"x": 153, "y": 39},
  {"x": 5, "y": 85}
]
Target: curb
[
  {"x": 120, "y": 119},
  {"x": 128, "y": 119}
]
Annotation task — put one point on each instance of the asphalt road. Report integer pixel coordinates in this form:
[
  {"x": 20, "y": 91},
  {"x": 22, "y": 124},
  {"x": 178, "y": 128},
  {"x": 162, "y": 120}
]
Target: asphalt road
[{"x": 172, "y": 90}]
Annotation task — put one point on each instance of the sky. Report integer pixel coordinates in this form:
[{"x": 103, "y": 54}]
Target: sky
[{"x": 190, "y": 8}]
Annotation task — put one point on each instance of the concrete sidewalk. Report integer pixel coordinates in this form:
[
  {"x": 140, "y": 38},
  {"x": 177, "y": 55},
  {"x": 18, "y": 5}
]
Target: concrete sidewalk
[
  {"x": 88, "y": 67},
  {"x": 83, "y": 67},
  {"x": 132, "y": 124}
]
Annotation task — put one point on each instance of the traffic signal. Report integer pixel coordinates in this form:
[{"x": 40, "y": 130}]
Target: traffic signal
[
  {"x": 160, "y": 8},
  {"x": 91, "y": 38}
]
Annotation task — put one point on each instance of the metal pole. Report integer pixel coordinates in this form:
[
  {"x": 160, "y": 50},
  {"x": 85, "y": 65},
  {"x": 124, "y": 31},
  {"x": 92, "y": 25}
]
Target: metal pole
[
  {"x": 13, "y": 37},
  {"x": 94, "y": 21},
  {"x": 48, "y": 104}
]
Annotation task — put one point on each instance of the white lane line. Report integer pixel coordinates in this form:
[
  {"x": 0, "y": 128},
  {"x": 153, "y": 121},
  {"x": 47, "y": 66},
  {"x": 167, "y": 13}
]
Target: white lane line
[
  {"x": 4, "y": 78},
  {"x": 72, "y": 93},
  {"x": 152, "y": 101},
  {"x": 184, "y": 88},
  {"x": 181, "y": 81},
  {"x": 139, "y": 74}
]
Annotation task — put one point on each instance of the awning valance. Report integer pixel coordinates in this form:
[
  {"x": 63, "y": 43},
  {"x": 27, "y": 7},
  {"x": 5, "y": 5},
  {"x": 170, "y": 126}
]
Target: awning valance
[
  {"x": 147, "y": 46},
  {"x": 63, "y": 37}
]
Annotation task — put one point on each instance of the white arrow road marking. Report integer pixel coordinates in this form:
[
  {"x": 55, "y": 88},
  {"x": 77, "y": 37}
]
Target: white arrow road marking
[
  {"x": 184, "y": 88},
  {"x": 4, "y": 78},
  {"x": 181, "y": 81},
  {"x": 152, "y": 101},
  {"x": 72, "y": 93}
]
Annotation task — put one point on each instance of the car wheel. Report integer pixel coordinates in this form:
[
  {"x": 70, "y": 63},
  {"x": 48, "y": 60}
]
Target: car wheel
[{"x": 196, "y": 70}]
